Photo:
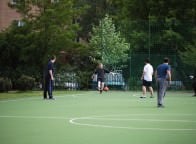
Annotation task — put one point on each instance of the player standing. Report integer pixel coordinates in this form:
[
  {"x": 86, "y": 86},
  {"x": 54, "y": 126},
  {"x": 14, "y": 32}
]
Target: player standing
[
  {"x": 49, "y": 78},
  {"x": 147, "y": 78},
  {"x": 163, "y": 78},
  {"x": 100, "y": 71}
]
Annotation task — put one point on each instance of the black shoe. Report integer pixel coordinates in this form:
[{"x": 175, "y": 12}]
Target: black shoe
[
  {"x": 100, "y": 91},
  {"x": 52, "y": 98},
  {"x": 160, "y": 106},
  {"x": 143, "y": 97}
]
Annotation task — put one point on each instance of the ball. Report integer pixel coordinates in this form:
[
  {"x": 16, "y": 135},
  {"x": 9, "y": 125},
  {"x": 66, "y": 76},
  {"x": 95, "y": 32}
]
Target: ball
[{"x": 106, "y": 88}]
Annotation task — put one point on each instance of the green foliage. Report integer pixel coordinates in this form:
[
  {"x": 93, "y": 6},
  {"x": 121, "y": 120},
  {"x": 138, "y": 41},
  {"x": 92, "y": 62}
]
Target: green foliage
[
  {"x": 25, "y": 83},
  {"x": 5, "y": 84},
  {"x": 189, "y": 57},
  {"x": 84, "y": 78},
  {"x": 51, "y": 29},
  {"x": 108, "y": 43},
  {"x": 155, "y": 26}
]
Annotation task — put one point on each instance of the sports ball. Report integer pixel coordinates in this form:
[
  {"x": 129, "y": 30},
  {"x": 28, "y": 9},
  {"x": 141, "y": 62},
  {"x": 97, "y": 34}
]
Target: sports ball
[{"x": 106, "y": 88}]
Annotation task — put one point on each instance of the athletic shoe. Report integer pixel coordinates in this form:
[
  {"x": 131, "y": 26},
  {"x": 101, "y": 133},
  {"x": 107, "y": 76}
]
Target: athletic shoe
[
  {"x": 151, "y": 96},
  {"x": 143, "y": 97},
  {"x": 51, "y": 98},
  {"x": 160, "y": 106}
]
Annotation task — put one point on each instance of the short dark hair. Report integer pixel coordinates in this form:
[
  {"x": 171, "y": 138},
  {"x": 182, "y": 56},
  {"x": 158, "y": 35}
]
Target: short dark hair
[
  {"x": 166, "y": 60},
  {"x": 52, "y": 57},
  {"x": 147, "y": 60}
]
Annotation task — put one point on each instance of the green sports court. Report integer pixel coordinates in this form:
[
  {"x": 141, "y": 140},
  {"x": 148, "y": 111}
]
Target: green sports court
[
  {"x": 87, "y": 117},
  {"x": 73, "y": 46}
]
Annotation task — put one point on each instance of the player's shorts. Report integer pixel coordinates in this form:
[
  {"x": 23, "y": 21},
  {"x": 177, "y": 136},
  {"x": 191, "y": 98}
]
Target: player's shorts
[
  {"x": 100, "y": 79},
  {"x": 147, "y": 83}
]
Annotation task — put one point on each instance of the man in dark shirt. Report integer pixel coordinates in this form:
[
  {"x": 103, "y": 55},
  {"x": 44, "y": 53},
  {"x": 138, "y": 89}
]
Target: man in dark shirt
[
  {"x": 49, "y": 78},
  {"x": 100, "y": 71},
  {"x": 163, "y": 78}
]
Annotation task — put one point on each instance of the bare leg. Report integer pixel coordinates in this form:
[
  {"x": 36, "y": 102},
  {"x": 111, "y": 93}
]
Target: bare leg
[
  {"x": 102, "y": 85},
  {"x": 99, "y": 85},
  {"x": 144, "y": 92},
  {"x": 151, "y": 91}
]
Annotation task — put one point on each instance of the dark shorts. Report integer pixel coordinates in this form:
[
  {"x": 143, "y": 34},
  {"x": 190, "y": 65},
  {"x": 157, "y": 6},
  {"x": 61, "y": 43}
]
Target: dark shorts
[
  {"x": 147, "y": 83},
  {"x": 100, "y": 79}
]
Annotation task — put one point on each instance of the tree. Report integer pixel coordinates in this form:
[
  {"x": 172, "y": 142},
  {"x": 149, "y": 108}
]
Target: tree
[
  {"x": 108, "y": 43},
  {"x": 49, "y": 27},
  {"x": 189, "y": 57}
]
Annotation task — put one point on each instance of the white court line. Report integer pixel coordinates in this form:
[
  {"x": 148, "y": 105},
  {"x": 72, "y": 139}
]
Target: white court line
[
  {"x": 37, "y": 98},
  {"x": 17, "y": 99},
  {"x": 73, "y": 121},
  {"x": 149, "y": 120},
  {"x": 34, "y": 117},
  {"x": 101, "y": 117},
  {"x": 143, "y": 114}
]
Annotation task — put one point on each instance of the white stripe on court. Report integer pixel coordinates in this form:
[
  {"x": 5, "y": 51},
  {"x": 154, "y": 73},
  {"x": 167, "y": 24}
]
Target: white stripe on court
[
  {"x": 34, "y": 117},
  {"x": 146, "y": 120},
  {"x": 38, "y": 98},
  {"x": 75, "y": 121},
  {"x": 72, "y": 121}
]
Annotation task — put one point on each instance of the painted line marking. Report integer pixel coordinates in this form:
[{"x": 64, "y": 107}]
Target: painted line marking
[
  {"x": 34, "y": 117},
  {"x": 105, "y": 117},
  {"x": 38, "y": 98},
  {"x": 74, "y": 121}
]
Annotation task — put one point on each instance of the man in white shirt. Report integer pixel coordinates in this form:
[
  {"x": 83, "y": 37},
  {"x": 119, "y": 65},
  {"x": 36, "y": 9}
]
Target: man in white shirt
[{"x": 147, "y": 78}]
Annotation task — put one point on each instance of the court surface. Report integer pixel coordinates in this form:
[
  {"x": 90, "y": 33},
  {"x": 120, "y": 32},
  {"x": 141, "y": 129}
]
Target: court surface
[{"x": 86, "y": 117}]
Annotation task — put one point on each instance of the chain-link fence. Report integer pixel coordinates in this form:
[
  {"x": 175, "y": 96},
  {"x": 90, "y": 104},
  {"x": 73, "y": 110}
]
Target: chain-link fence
[
  {"x": 180, "y": 74},
  {"x": 156, "y": 39}
]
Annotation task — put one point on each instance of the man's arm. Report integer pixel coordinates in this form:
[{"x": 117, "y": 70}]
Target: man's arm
[
  {"x": 106, "y": 71},
  {"x": 169, "y": 75},
  {"x": 142, "y": 77},
  {"x": 155, "y": 74},
  {"x": 51, "y": 74}
]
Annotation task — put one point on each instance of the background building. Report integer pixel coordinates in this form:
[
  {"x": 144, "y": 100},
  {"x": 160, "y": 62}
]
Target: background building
[{"x": 7, "y": 14}]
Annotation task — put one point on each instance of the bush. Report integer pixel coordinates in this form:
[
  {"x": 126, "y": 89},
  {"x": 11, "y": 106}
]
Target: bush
[
  {"x": 5, "y": 84},
  {"x": 25, "y": 83}
]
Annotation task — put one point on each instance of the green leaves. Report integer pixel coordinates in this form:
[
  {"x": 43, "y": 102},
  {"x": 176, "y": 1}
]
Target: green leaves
[{"x": 110, "y": 46}]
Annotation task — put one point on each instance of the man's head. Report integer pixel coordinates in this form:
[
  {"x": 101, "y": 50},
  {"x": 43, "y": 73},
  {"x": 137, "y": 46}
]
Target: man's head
[
  {"x": 147, "y": 60},
  {"x": 166, "y": 60},
  {"x": 53, "y": 58},
  {"x": 100, "y": 65}
]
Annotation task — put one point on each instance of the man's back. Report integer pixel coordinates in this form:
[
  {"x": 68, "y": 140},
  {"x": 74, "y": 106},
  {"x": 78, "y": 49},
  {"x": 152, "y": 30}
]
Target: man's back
[
  {"x": 148, "y": 72},
  {"x": 162, "y": 70}
]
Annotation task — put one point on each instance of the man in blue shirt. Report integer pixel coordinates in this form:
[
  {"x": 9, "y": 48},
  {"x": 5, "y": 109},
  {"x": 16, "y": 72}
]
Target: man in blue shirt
[
  {"x": 49, "y": 78},
  {"x": 163, "y": 78}
]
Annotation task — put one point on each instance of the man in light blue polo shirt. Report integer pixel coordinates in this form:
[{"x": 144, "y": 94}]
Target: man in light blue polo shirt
[{"x": 163, "y": 78}]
